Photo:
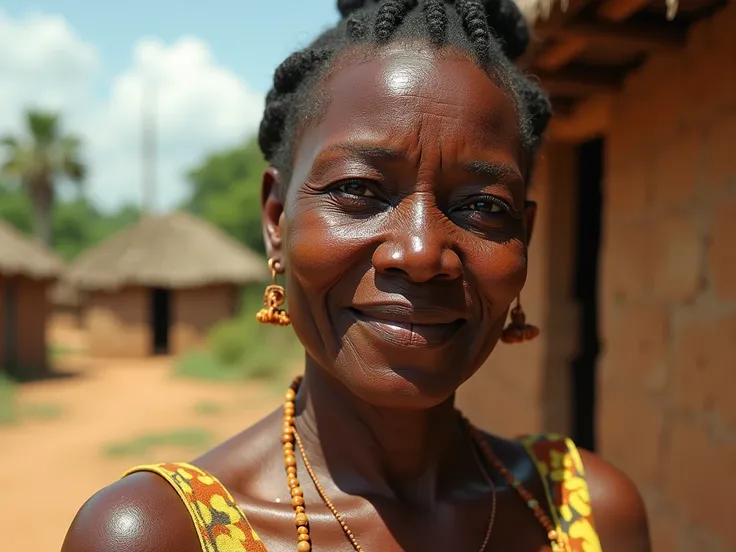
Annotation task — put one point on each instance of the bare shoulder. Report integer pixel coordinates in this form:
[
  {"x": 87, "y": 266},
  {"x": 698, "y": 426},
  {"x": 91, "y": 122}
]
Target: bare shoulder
[
  {"x": 619, "y": 511},
  {"x": 139, "y": 513},
  {"x": 143, "y": 513}
]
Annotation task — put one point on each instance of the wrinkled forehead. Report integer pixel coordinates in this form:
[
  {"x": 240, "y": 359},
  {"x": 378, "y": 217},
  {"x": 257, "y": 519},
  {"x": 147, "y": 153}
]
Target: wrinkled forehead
[{"x": 415, "y": 94}]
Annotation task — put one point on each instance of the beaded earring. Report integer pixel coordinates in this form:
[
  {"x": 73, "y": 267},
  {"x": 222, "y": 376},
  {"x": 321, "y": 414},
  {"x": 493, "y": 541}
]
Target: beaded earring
[
  {"x": 273, "y": 298},
  {"x": 518, "y": 330}
]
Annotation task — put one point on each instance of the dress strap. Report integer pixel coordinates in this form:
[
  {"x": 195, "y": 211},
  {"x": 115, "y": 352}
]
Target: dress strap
[
  {"x": 219, "y": 521},
  {"x": 560, "y": 466}
]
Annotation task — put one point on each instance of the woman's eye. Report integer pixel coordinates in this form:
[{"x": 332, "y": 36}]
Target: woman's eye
[
  {"x": 355, "y": 188},
  {"x": 486, "y": 206}
]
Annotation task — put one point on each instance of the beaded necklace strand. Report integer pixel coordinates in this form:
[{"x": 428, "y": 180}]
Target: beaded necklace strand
[{"x": 290, "y": 438}]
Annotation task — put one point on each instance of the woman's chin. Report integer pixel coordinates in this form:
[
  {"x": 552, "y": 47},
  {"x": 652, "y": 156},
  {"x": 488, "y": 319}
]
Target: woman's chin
[{"x": 407, "y": 388}]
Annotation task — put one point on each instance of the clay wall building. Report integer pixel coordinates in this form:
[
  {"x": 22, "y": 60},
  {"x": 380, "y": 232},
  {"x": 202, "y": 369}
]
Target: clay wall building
[{"x": 27, "y": 270}]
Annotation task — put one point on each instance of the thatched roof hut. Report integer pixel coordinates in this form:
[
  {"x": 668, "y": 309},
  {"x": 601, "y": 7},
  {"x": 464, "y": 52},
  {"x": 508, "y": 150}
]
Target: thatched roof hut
[
  {"x": 27, "y": 268},
  {"x": 160, "y": 285},
  {"x": 21, "y": 255},
  {"x": 176, "y": 251}
]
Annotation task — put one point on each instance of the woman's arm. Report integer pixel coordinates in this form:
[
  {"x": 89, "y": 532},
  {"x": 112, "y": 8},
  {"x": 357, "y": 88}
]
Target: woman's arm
[
  {"x": 620, "y": 515},
  {"x": 139, "y": 513}
]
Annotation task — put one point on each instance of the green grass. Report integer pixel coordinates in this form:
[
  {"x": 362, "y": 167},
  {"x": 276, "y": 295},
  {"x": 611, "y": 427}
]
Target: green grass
[
  {"x": 56, "y": 351},
  {"x": 208, "y": 408},
  {"x": 204, "y": 365},
  {"x": 13, "y": 412},
  {"x": 41, "y": 411},
  {"x": 258, "y": 362},
  {"x": 189, "y": 438}
]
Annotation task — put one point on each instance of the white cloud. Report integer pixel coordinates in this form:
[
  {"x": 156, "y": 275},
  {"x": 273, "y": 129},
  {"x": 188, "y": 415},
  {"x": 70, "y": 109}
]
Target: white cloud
[
  {"x": 201, "y": 106},
  {"x": 42, "y": 62}
]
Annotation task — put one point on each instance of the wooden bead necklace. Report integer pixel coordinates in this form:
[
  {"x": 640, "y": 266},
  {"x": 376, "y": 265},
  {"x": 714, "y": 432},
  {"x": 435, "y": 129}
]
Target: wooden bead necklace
[
  {"x": 517, "y": 485},
  {"x": 290, "y": 437}
]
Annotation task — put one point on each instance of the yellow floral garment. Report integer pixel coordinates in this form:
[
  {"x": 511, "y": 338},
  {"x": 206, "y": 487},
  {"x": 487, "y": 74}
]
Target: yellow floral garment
[
  {"x": 559, "y": 465},
  {"x": 219, "y": 521},
  {"x": 222, "y": 526}
]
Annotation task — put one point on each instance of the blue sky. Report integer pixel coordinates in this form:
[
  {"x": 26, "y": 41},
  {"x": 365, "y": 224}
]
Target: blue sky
[
  {"x": 210, "y": 62},
  {"x": 250, "y": 37}
]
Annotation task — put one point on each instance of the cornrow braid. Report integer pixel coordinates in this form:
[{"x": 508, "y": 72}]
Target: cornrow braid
[
  {"x": 492, "y": 32},
  {"x": 476, "y": 25},
  {"x": 288, "y": 75},
  {"x": 434, "y": 11},
  {"x": 357, "y": 24},
  {"x": 390, "y": 15},
  {"x": 286, "y": 80}
]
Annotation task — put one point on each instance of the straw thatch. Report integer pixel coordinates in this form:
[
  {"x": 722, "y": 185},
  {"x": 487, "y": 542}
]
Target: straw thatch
[
  {"x": 173, "y": 251},
  {"x": 541, "y": 9},
  {"x": 21, "y": 255}
]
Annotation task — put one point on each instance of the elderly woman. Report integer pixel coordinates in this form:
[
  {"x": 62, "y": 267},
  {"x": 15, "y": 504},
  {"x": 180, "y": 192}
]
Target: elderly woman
[{"x": 400, "y": 146}]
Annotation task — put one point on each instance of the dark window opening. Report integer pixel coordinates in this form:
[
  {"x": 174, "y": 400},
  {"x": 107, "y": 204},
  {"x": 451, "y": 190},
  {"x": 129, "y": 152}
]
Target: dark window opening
[
  {"x": 160, "y": 320},
  {"x": 590, "y": 204}
]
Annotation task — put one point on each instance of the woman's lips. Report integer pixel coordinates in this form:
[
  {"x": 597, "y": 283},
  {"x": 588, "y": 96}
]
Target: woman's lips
[{"x": 406, "y": 326}]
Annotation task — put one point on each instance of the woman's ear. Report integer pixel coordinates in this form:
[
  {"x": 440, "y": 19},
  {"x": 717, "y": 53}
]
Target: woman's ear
[
  {"x": 530, "y": 214},
  {"x": 272, "y": 209}
]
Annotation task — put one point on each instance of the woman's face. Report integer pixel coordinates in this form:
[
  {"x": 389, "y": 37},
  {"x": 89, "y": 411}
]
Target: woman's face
[{"x": 403, "y": 231}]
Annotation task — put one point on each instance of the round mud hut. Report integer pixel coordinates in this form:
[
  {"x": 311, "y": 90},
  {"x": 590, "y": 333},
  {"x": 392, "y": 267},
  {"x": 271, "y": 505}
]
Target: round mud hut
[
  {"x": 159, "y": 286},
  {"x": 27, "y": 270}
]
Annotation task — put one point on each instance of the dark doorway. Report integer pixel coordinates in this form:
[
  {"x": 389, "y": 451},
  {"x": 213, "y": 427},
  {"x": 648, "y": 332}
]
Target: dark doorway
[
  {"x": 10, "y": 327},
  {"x": 160, "y": 320},
  {"x": 590, "y": 206}
]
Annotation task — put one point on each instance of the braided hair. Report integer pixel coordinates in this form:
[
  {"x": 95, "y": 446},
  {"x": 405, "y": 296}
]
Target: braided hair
[{"x": 492, "y": 32}]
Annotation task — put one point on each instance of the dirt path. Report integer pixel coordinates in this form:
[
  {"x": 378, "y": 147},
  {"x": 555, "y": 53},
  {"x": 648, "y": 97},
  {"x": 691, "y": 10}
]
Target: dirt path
[{"x": 48, "y": 468}]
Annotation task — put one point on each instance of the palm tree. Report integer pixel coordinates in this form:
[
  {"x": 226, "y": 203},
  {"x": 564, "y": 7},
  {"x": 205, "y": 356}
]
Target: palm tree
[{"x": 37, "y": 160}]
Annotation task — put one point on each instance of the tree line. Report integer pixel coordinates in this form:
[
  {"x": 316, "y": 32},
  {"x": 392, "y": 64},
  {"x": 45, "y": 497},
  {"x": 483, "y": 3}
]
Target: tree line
[{"x": 223, "y": 189}]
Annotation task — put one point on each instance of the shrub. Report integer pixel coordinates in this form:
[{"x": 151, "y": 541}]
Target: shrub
[
  {"x": 241, "y": 348},
  {"x": 231, "y": 341}
]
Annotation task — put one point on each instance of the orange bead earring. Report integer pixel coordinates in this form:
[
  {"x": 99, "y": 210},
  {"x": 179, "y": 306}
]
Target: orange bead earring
[
  {"x": 273, "y": 298},
  {"x": 518, "y": 330}
]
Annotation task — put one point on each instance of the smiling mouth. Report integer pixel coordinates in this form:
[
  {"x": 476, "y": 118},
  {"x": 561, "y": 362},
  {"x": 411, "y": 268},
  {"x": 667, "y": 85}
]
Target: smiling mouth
[{"x": 408, "y": 333}]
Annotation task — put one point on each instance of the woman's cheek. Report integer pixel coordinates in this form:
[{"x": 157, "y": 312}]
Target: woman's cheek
[
  {"x": 500, "y": 271},
  {"x": 321, "y": 246}
]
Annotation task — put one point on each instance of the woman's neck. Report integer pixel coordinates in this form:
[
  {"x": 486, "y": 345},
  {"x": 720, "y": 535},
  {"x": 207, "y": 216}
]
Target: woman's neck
[{"x": 405, "y": 454}]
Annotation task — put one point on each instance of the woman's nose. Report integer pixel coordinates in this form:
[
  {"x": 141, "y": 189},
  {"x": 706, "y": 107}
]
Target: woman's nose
[{"x": 418, "y": 246}]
